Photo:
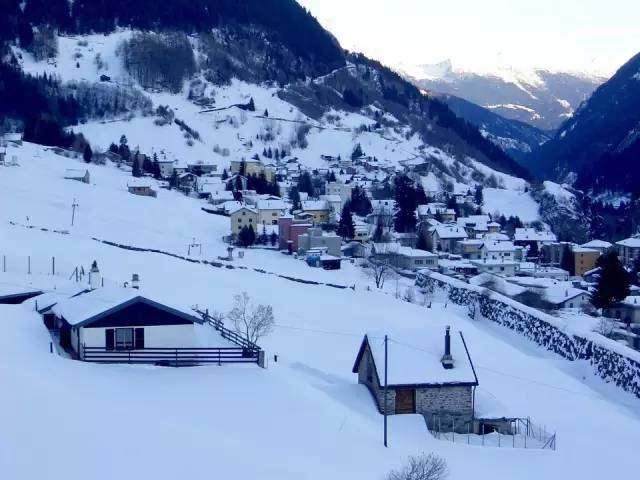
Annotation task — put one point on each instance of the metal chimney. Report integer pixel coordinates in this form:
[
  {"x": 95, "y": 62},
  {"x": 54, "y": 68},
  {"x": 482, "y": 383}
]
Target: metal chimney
[
  {"x": 135, "y": 281},
  {"x": 447, "y": 359}
]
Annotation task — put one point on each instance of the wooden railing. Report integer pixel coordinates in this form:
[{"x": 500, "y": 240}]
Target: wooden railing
[
  {"x": 225, "y": 332},
  {"x": 175, "y": 357}
]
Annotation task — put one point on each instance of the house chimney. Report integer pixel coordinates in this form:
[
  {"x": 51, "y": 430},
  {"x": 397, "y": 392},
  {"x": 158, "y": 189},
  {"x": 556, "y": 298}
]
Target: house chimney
[
  {"x": 135, "y": 281},
  {"x": 447, "y": 359},
  {"x": 94, "y": 276}
]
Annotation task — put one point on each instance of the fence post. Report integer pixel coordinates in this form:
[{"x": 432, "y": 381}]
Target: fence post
[
  {"x": 453, "y": 430},
  {"x": 4, "y": 263},
  {"x": 29, "y": 265},
  {"x": 261, "y": 357},
  {"x": 53, "y": 265},
  {"x": 219, "y": 362},
  {"x": 176, "y": 357},
  {"x": 498, "y": 430},
  {"x": 50, "y": 347},
  {"x": 482, "y": 434}
]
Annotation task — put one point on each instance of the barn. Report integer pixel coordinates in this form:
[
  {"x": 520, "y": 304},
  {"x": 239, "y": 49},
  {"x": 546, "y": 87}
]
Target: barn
[{"x": 426, "y": 373}]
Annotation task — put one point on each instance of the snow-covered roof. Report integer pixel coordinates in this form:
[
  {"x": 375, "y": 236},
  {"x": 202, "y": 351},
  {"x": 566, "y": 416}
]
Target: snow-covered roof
[
  {"x": 49, "y": 299},
  {"x": 596, "y": 244},
  {"x": 495, "y": 236},
  {"x": 240, "y": 207},
  {"x": 332, "y": 198},
  {"x": 450, "y": 231},
  {"x": 584, "y": 250},
  {"x": 531, "y": 234},
  {"x": 633, "y": 242},
  {"x": 414, "y": 358},
  {"x": 313, "y": 205},
  {"x": 91, "y": 306},
  {"x": 271, "y": 205},
  {"x": 494, "y": 246},
  {"x": 397, "y": 249}
]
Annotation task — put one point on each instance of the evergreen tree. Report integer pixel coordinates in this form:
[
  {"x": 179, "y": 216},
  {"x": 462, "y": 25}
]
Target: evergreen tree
[
  {"x": 305, "y": 184},
  {"x": 567, "y": 262},
  {"x": 266, "y": 113},
  {"x": 156, "y": 168},
  {"x": 453, "y": 205},
  {"x": 331, "y": 176},
  {"x": 147, "y": 164},
  {"x": 613, "y": 284},
  {"x": 421, "y": 244},
  {"x": 87, "y": 155},
  {"x": 360, "y": 203},
  {"x": 478, "y": 196},
  {"x": 406, "y": 203},
  {"x": 294, "y": 197},
  {"x": 346, "y": 228},
  {"x": 225, "y": 175},
  {"x": 246, "y": 236},
  {"x": 357, "y": 152},
  {"x": 378, "y": 233},
  {"x": 136, "y": 171},
  {"x": 421, "y": 196},
  {"x": 243, "y": 168}
]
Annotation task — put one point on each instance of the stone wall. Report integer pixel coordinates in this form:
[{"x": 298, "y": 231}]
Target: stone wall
[
  {"x": 612, "y": 362},
  {"x": 444, "y": 407}
]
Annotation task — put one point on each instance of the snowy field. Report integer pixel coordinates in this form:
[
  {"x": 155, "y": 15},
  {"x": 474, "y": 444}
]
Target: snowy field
[{"x": 305, "y": 417}]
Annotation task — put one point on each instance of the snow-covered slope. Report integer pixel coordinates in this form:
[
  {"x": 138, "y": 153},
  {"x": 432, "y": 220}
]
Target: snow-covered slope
[{"x": 303, "y": 417}]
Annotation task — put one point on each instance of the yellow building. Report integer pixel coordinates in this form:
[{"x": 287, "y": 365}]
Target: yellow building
[
  {"x": 584, "y": 259},
  {"x": 252, "y": 167},
  {"x": 242, "y": 217},
  {"x": 319, "y": 210}
]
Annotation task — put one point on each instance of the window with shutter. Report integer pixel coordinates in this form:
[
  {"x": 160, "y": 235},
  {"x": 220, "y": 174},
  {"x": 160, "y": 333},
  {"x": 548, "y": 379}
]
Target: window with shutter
[
  {"x": 109, "y": 341},
  {"x": 139, "y": 338}
]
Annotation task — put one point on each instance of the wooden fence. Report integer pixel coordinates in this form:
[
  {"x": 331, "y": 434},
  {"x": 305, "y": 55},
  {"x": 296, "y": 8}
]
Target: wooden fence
[
  {"x": 230, "y": 335},
  {"x": 175, "y": 357}
]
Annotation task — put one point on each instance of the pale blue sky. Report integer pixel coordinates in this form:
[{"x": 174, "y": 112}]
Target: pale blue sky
[{"x": 482, "y": 34}]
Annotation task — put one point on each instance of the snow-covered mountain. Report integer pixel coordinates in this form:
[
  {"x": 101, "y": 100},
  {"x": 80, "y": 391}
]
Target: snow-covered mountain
[
  {"x": 598, "y": 147},
  {"x": 539, "y": 97}
]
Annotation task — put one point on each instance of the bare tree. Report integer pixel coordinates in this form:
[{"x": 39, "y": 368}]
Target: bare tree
[
  {"x": 379, "y": 269},
  {"x": 422, "y": 467},
  {"x": 249, "y": 320}
]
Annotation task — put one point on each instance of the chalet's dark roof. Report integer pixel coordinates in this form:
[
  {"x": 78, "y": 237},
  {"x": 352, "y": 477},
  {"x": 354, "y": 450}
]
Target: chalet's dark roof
[{"x": 90, "y": 308}]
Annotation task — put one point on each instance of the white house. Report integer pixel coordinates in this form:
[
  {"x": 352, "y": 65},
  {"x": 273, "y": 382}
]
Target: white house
[
  {"x": 494, "y": 250},
  {"x": 114, "y": 319},
  {"x": 269, "y": 211}
]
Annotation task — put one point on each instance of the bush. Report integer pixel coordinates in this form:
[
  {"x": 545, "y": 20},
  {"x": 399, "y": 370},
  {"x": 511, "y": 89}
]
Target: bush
[{"x": 422, "y": 467}]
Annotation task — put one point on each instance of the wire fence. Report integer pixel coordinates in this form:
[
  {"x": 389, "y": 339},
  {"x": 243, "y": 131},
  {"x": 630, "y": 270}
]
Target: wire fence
[
  {"x": 500, "y": 433},
  {"x": 49, "y": 265}
]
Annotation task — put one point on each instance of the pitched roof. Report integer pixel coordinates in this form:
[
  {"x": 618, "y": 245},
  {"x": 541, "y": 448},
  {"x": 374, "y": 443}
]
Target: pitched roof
[
  {"x": 414, "y": 358},
  {"x": 271, "y": 205},
  {"x": 633, "y": 242},
  {"x": 450, "y": 231},
  {"x": 91, "y": 306}
]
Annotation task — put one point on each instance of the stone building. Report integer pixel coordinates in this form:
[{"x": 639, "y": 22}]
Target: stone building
[{"x": 422, "y": 377}]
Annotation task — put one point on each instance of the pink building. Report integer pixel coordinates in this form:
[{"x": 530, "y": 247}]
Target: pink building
[{"x": 289, "y": 230}]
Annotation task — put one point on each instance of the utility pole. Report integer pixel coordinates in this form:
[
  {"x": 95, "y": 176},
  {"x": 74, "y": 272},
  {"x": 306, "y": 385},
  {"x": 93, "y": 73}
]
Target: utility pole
[
  {"x": 73, "y": 211},
  {"x": 386, "y": 364}
]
